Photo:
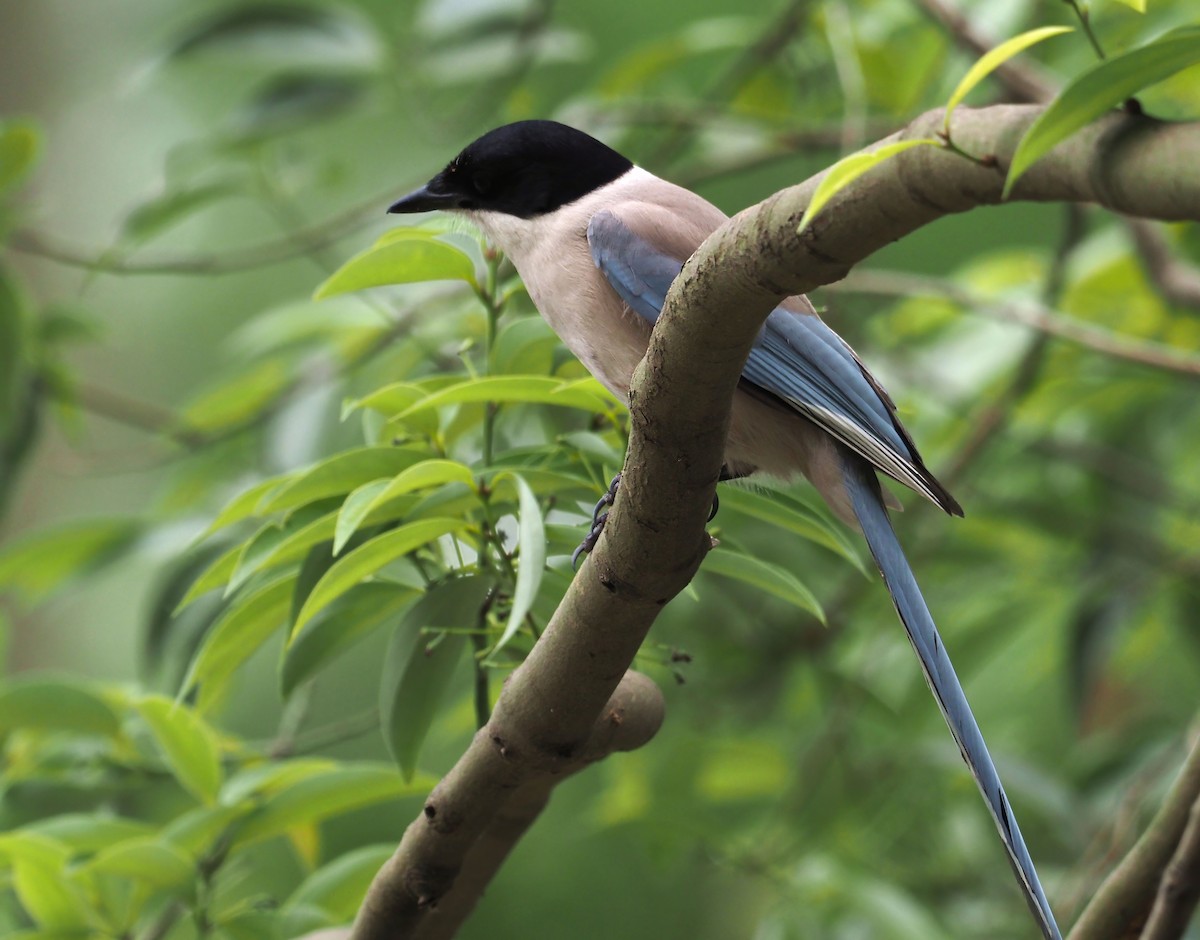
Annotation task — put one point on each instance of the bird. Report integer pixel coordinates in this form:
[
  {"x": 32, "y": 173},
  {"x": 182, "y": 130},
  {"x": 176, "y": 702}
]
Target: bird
[{"x": 598, "y": 241}]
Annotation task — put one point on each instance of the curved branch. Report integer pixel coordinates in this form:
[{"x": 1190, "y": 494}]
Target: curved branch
[
  {"x": 680, "y": 401},
  {"x": 1123, "y": 902}
]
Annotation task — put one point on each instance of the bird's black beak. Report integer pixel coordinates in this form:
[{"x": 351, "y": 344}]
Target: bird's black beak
[{"x": 425, "y": 199}]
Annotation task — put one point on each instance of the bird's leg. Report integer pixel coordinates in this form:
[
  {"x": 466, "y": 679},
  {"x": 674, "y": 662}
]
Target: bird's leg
[
  {"x": 599, "y": 517},
  {"x": 600, "y": 513}
]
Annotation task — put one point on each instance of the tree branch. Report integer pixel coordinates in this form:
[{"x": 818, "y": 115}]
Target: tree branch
[
  {"x": 1123, "y": 901},
  {"x": 1036, "y": 316},
  {"x": 680, "y": 400},
  {"x": 1180, "y": 886}
]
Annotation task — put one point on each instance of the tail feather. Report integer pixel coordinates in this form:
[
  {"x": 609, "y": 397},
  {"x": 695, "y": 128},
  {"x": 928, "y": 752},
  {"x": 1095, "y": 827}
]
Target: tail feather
[{"x": 866, "y": 498}]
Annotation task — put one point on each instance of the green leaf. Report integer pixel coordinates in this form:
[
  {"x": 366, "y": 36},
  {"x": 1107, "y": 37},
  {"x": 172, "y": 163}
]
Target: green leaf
[
  {"x": 242, "y": 629},
  {"x": 359, "y": 612},
  {"x": 151, "y": 860},
  {"x": 245, "y": 504},
  {"x": 19, "y": 144},
  {"x": 197, "y": 831},
  {"x": 370, "y": 496},
  {"x": 187, "y": 745},
  {"x": 38, "y": 564},
  {"x": 850, "y": 168},
  {"x": 531, "y": 541},
  {"x": 339, "y": 790},
  {"x": 793, "y": 517},
  {"x": 48, "y": 896},
  {"x": 416, "y": 673},
  {"x": 994, "y": 58},
  {"x": 525, "y": 346},
  {"x": 56, "y": 705},
  {"x": 369, "y": 558},
  {"x": 1138, "y": 5},
  {"x": 764, "y": 576},
  {"x": 1101, "y": 88},
  {"x": 525, "y": 389},
  {"x": 236, "y": 401},
  {"x": 85, "y": 833},
  {"x": 340, "y": 474},
  {"x": 338, "y": 888},
  {"x": 214, "y": 576},
  {"x": 404, "y": 261},
  {"x": 15, "y": 379}
]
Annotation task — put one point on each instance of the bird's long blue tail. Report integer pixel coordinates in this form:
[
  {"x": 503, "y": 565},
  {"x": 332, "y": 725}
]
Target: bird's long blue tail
[{"x": 863, "y": 488}]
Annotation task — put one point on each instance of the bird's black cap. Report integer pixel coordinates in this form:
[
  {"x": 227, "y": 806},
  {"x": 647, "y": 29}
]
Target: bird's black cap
[{"x": 525, "y": 169}]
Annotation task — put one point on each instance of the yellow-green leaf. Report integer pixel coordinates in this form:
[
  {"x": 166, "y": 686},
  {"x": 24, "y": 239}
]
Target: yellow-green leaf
[
  {"x": 850, "y": 168},
  {"x": 400, "y": 261},
  {"x": 56, "y": 705},
  {"x": 187, "y": 745},
  {"x": 18, "y": 150},
  {"x": 369, "y": 558},
  {"x": 1100, "y": 89},
  {"x": 994, "y": 58},
  {"x": 531, "y": 563},
  {"x": 525, "y": 389}
]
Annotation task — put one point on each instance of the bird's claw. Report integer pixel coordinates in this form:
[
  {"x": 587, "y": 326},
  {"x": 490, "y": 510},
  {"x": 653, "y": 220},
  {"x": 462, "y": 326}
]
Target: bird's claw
[{"x": 599, "y": 517}]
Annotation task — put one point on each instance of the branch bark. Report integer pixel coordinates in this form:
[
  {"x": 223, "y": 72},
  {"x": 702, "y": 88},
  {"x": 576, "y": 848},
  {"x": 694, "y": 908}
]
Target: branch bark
[
  {"x": 1122, "y": 904},
  {"x": 680, "y": 402}
]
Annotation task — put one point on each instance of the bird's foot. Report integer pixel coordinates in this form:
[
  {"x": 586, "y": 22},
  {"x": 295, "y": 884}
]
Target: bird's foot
[{"x": 599, "y": 517}]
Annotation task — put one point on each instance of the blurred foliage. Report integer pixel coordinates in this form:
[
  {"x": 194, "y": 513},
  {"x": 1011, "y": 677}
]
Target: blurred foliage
[{"x": 325, "y": 529}]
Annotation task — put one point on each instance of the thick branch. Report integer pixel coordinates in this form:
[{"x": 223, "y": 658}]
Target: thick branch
[
  {"x": 1123, "y": 901},
  {"x": 680, "y": 403}
]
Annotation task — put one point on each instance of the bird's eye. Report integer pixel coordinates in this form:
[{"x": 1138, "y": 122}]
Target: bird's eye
[{"x": 481, "y": 183}]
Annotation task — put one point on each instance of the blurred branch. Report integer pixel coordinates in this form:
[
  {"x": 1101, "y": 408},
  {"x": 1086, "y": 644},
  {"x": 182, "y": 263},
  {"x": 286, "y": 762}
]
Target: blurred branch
[
  {"x": 770, "y": 43},
  {"x": 1123, "y": 902},
  {"x": 1176, "y": 280},
  {"x": 1027, "y": 313},
  {"x": 295, "y": 245},
  {"x": 996, "y": 415},
  {"x": 1022, "y": 81}
]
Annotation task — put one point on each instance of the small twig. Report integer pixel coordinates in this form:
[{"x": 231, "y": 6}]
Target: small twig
[
  {"x": 1033, "y": 315},
  {"x": 334, "y": 733},
  {"x": 1086, "y": 22}
]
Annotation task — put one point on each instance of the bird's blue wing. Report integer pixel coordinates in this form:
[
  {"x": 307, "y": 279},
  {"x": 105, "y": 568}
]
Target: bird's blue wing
[{"x": 796, "y": 358}]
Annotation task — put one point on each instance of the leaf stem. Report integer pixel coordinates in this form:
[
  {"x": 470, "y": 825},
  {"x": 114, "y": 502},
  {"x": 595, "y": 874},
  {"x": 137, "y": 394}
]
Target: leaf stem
[{"x": 1086, "y": 22}]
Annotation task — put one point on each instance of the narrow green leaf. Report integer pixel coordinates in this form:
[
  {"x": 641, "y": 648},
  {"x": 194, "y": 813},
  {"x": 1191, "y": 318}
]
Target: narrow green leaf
[
  {"x": 531, "y": 565},
  {"x": 216, "y": 575},
  {"x": 416, "y": 674},
  {"x": 524, "y": 389},
  {"x": 1138, "y": 5},
  {"x": 994, "y": 58},
  {"x": 850, "y": 168},
  {"x": 56, "y": 705},
  {"x": 340, "y": 474},
  {"x": 151, "y": 860},
  {"x": 403, "y": 261},
  {"x": 338, "y": 888},
  {"x": 793, "y": 517},
  {"x": 764, "y": 576},
  {"x": 1100, "y": 89},
  {"x": 369, "y": 558},
  {"x": 161, "y": 212},
  {"x": 244, "y": 505},
  {"x": 38, "y": 564},
  {"x": 371, "y": 496},
  {"x": 354, "y": 510},
  {"x": 187, "y": 745},
  {"x": 352, "y": 617},
  {"x": 242, "y": 629},
  {"x": 343, "y": 788},
  {"x": 15, "y": 379},
  {"x": 238, "y": 400},
  {"x": 19, "y": 144},
  {"x": 198, "y": 830}
]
